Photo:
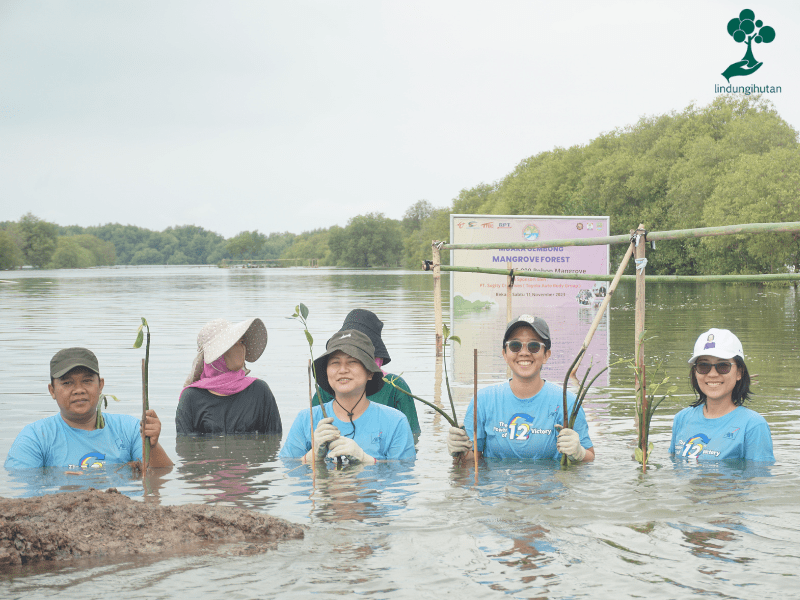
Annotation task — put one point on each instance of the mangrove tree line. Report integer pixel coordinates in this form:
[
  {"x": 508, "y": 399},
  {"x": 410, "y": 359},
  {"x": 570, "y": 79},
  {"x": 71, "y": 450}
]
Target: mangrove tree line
[{"x": 733, "y": 161}]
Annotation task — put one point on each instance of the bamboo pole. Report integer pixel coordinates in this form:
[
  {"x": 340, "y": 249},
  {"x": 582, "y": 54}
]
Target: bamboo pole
[
  {"x": 509, "y": 306},
  {"x": 509, "y": 291},
  {"x": 311, "y": 417},
  {"x": 597, "y": 318},
  {"x": 631, "y": 278},
  {"x": 656, "y": 236},
  {"x": 437, "y": 294},
  {"x": 638, "y": 342},
  {"x": 475, "y": 414}
]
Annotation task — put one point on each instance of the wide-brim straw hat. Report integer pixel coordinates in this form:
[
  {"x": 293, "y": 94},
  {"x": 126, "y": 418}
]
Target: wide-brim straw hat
[
  {"x": 356, "y": 344},
  {"x": 218, "y": 336},
  {"x": 367, "y": 322}
]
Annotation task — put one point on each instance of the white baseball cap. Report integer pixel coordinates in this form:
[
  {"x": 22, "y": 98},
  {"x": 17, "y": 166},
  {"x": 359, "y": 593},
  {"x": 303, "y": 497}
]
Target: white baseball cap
[{"x": 717, "y": 342}]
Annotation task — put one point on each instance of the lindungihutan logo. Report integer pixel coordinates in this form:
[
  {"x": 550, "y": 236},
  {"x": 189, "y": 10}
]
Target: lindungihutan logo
[{"x": 745, "y": 28}]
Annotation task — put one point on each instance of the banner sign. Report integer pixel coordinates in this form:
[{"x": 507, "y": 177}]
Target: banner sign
[{"x": 478, "y": 301}]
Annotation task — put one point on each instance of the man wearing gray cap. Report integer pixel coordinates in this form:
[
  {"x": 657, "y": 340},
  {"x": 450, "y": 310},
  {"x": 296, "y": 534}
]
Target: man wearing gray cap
[{"x": 75, "y": 437}]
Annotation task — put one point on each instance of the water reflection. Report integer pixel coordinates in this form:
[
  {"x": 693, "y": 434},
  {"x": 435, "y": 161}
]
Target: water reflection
[
  {"x": 352, "y": 492},
  {"x": 231, "y": 469}
]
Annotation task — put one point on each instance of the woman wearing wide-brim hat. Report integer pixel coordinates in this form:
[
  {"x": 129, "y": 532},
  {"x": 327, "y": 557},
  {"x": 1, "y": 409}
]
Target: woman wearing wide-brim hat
[
  {"x": 355, "y": 428},
  {"x": 218, "y": 396},
  {"x": 391, "y": 394}
]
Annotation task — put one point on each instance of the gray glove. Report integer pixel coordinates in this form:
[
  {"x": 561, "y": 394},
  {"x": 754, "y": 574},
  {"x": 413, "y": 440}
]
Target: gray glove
[
  {"x": 569, "y": 443},
  {"x": 344, "y": 446},
  {"x": 324, "y": 434},
  {"x": 457, "y": 441}
]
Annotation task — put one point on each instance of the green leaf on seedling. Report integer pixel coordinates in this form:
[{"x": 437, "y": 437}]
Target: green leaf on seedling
[
  {"x": 638, "y": 454},
  {"x": 309, "y": 338},
  {"x": 304, "y": 310},
  {"x": 139, "y": 337},
  {"x": 144, "y": 322},
  {"x": 445, "y": 331},
  {"x": 455, "y": 338}
]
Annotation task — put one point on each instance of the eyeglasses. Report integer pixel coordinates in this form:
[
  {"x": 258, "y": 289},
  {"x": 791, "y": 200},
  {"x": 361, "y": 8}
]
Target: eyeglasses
[
  {"x": 704, "y": 368},
  {"x": 515, "y": 346}
]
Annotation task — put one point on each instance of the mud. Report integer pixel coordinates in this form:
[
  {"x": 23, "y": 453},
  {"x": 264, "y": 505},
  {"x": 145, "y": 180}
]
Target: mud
[{"x": 91, "y": 523}]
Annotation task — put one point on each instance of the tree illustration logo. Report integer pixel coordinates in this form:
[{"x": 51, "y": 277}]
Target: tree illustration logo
[{"x": 745, "y": 28}]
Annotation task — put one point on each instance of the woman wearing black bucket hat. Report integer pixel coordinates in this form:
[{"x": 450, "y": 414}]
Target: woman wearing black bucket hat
[
  {"x": 359, "y": 429},
  {"x": 369, "y": 324}
]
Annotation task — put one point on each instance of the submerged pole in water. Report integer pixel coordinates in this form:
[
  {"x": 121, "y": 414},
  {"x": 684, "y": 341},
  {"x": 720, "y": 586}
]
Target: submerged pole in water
[
  {"x": 640, "y": 240},
  {"x": 475, "y": 414},
  {"x": 437, "y": 293}
]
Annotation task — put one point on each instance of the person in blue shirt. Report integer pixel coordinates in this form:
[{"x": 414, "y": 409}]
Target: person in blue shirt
[
  {"x": 522, "y": 417},
  {"x": 355, "y": 428},
  {"x": 76, "y": 437},
  {"x": 717, "y": 426}
]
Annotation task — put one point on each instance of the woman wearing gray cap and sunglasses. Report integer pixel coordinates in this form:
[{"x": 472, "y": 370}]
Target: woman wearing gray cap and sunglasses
[
  {"x": 521, "y": 418},
  {"x": 717, "y": 426},
  {"x": 355, "y": 428}
]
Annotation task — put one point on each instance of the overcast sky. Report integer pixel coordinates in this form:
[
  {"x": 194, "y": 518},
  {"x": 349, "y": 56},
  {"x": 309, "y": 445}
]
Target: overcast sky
[{"x": 293, "y": 115}]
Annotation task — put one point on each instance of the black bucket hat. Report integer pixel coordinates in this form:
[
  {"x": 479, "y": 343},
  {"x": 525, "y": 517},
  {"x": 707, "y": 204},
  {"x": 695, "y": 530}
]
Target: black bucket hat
[
  {"x": 369, "y": 324},
  {"x": 356, "y": 344}
]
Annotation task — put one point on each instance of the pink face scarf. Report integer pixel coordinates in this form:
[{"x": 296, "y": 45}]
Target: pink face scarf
[
  {"x": 379, "y": 362},
  {"x": 217, "y": 378}
]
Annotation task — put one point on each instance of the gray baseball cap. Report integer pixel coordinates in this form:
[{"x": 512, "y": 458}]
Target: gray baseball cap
[
  {"x": 538, "y": 324},
  {"x": 67, "y": 359}
]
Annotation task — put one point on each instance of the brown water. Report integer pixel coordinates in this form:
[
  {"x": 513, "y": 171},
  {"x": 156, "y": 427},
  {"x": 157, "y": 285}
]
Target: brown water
[{"x": 417, "y": 529}]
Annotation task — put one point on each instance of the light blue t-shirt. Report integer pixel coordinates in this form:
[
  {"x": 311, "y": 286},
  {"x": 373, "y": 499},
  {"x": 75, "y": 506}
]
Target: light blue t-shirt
[
  {"x": 51, "y": 442},
  {"x": 511, "y": 427},
  {"x": 741, "y": 434},
  {"x": 381, "y": 431}
]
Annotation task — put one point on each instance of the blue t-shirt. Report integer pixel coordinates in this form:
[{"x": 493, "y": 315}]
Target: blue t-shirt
[
  {"x": 741, "y": 434},
  {"x": 51, "y": 442},
  {"x": 511, "y": 427},
  {"x": 381, "y": 431}
]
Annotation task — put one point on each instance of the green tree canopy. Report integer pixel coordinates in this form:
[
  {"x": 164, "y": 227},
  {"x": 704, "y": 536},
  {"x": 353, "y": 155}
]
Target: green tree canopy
[
  {"x": 10, "y": 254},
  {"x": 38, "y": 239},
  {"x": 368, "y": 241}
]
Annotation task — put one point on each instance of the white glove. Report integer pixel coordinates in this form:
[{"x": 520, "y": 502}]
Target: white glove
[
  {"x": 569, "y": 443},
  {"x": 344, "y": 446},
  {"x": 324, "y": 434},
  {"x": 457, "y": 441}
]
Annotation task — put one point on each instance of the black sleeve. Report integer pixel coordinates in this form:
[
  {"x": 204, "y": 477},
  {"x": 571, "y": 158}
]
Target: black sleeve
[
  {"x": 183, "y": 415},
  {"x": 272, "y": 416}
]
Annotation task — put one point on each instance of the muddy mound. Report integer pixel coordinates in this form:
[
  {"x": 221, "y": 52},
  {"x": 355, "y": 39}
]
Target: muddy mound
[{"x": 91, "y": 523}]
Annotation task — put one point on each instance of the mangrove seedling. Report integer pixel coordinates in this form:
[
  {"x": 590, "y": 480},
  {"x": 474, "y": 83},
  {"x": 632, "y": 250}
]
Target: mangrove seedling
[
  {"x": 646, "y": 405},
  {"x": 101, "y": 422},
  {"x": 301, "y": 314},
  {"x": 452, "y": 420},
  {"x": 145, "y": 397},
  {"x": 583, "y": 389}
]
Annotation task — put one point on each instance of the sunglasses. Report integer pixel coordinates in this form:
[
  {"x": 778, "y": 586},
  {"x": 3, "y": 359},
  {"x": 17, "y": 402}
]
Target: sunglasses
[
  {"x": 704, "y": 368},
  {"x": 515, "y": 346}
]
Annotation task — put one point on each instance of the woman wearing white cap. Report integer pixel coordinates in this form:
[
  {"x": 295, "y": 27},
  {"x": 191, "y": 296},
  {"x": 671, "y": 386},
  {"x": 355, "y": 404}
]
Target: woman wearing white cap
[
  {"x": 219, "y": 397},
  {"x": 355, "y": 428},
  {"x": 717, "y": 426}
]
